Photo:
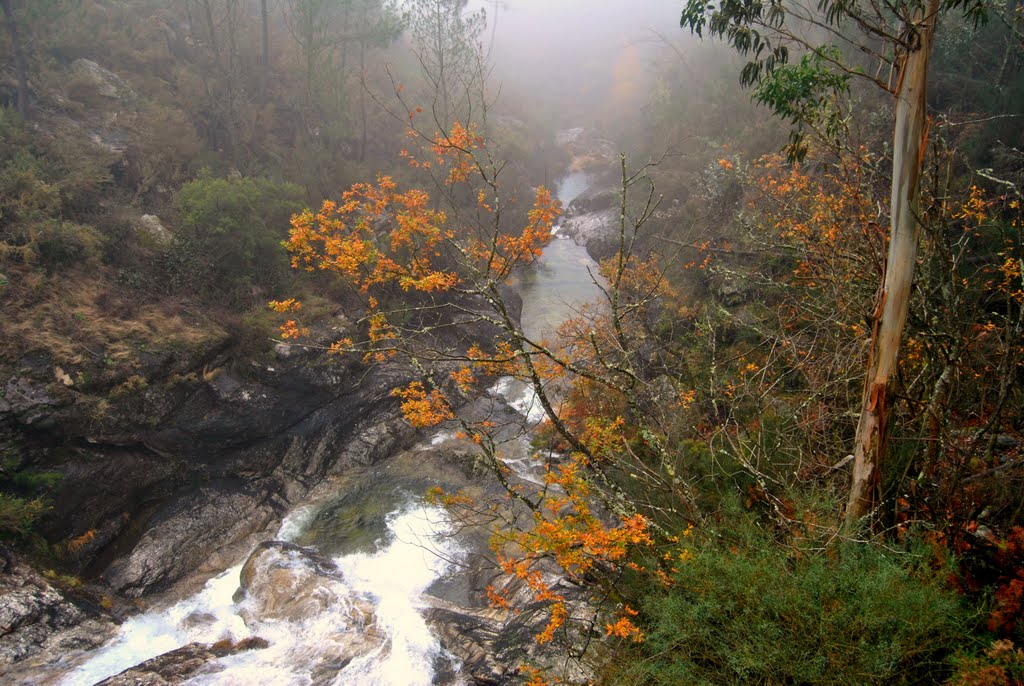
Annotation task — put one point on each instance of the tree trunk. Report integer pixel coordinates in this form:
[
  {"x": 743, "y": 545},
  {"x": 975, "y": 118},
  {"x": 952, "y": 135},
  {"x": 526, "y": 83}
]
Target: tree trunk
[
  {"x": 265, "y": 25},
  {"x": 910, "y": 135},
  {"x": 212, "y": 32},
  {"x": 20, "y": 64},
  {"x": 362, "y": 99}
]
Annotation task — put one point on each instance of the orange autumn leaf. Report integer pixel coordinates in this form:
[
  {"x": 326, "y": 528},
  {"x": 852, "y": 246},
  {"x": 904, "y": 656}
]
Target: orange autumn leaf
[{"x": 422, "y": 409}]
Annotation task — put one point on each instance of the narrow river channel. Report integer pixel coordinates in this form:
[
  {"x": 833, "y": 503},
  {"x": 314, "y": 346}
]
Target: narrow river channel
[{"x": 383, "y": 546}]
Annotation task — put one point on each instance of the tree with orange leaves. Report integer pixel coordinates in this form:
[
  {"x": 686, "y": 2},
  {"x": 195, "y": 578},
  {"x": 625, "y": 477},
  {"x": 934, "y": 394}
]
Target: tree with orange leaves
[{"x": 423, "y": 267}]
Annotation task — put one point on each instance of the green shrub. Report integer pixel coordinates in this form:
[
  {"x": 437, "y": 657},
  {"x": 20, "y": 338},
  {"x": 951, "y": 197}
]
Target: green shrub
[
  {"x": 999, "y": 665},
  {"x": 47, "y": 186},
  {"x": 752, "y": 611},
  {"x": 235, "y": 228},
  {"x": 17, "y": 515},
  {"x": 61, "y": 242},
  {"x": 22, "y": 497}
]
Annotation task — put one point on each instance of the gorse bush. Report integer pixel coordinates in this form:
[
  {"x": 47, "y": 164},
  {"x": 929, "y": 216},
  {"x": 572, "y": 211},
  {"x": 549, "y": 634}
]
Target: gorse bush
[
  {"x": 234, "y": 229},
  {"x": 750, "y": 611}
]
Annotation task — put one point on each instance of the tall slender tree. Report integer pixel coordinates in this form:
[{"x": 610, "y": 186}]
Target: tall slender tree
[
  {"x": 447, "y": 43},
  {"x": 899, "y": 36},
  {"x": 18, "y": 48},
  {"x": 265, "y": 45}
]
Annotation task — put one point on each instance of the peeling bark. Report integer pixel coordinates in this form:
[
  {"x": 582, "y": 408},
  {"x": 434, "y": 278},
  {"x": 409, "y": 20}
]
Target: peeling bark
[{"x": 909, "y": 138}]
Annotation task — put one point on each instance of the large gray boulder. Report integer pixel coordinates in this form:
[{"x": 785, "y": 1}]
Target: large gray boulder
[{"x": 152, "y": 230}]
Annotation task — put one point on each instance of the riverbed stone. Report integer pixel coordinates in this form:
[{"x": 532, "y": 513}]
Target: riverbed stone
[
  {"x": 281, "y": 580},
  {"x": 179, "y": 665},
  {"x": 597, "y": 231}
]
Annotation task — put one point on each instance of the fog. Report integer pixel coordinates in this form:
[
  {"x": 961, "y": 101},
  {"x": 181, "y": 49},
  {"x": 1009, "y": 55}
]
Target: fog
[{"x": 577, "y": 59}]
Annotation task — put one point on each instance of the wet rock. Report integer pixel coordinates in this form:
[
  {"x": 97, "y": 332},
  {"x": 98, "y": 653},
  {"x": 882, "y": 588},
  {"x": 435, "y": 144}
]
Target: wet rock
[
  {"x": 198, "y": 619},
  {"x": 179, "y": 665},
  {"x": 179, "y": 540},
  {"x": 593, "y": 202},
  {"x": 37, "y": 618},
  {"x": 597, "y": 231},
  {"x": 470, "y": 637},
  {"x": 492, "y": 643},
  {"x": 284, "y": 581}
]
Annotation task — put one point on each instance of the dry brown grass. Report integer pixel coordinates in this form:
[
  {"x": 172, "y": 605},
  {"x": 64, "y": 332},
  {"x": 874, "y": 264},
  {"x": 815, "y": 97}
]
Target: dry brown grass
[{"x": 79, "y": 319}]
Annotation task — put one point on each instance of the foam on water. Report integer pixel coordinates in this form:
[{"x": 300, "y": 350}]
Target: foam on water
[
  {"x": 294, "y": 522},
  {"x": 520, "y": 397},
  {"x": 397, "y": 576},
  {"x": 394, "y": 579},
  {"x": 150, "y": 634}
]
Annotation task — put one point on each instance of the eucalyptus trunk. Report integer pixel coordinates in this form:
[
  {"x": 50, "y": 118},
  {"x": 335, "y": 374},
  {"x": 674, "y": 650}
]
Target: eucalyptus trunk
[{"x": 909, "y": 138}]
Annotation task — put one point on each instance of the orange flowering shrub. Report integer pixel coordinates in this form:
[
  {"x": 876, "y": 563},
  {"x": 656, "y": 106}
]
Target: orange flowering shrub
[
  {"x": 383, "y": 239},
  {"x": 566, "y": 531},
  {"x": 423, "y": 409}
]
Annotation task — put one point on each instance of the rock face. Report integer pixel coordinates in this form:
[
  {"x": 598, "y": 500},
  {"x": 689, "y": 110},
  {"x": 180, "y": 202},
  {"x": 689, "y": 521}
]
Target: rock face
[
  {"x": 107, "y": 83},
  {"x": 186, "y": 475},
  {"x": 470, "y": 636},
  {"x": 180, "y": 539},
  {"x": 35, "y": 617},
  {"x": 225, "y": 466}
]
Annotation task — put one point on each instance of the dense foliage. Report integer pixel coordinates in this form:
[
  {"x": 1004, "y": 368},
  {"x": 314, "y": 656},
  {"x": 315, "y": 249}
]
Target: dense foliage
[{"x": 743, "y": 609}]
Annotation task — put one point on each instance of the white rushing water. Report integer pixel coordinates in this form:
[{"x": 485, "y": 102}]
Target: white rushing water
[
  {"x": 304, "y": 649},
  {"x": 397, "y": 577},
  {"x": 521, "y": 397}
]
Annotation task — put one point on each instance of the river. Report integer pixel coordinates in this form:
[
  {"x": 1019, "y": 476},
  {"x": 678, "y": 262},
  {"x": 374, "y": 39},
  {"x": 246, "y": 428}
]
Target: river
[{"x": 392, "y": 551}]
